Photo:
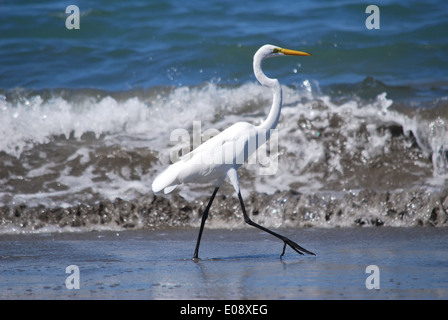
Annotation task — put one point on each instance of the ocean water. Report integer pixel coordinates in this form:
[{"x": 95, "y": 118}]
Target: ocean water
[{"x": 88, "y": 115}]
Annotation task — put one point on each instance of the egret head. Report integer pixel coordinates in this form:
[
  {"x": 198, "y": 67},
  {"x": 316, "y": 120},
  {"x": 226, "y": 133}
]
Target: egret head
[{"x": 269, "y": 51}]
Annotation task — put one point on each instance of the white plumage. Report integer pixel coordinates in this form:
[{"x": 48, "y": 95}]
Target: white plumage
[{"x": 221, "y": 156}]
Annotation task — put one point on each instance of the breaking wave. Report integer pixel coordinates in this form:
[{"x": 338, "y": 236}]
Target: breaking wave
[{"x": 64, "y": 149}]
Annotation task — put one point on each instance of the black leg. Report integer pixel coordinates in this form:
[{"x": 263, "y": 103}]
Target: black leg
[
  {"x": 283, "y": 251},
  {"x": 204, "y": 217},
  {"x": 286, "y": 241}
]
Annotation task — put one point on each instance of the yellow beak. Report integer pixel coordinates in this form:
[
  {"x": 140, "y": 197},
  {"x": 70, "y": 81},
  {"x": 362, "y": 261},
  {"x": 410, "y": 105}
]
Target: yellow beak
[{"x": 293, "y": 52}]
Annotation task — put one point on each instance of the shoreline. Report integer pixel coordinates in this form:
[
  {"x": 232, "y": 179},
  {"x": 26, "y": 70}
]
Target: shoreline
[{"x": 236, "y": 264}]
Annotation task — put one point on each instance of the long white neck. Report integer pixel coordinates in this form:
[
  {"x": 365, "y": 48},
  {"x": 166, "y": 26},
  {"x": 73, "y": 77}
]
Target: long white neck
[{"x": 274, "y": 114}]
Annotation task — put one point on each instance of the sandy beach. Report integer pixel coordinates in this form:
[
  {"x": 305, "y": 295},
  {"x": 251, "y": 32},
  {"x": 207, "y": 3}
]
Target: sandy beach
[{"x": 236, "y": 264}]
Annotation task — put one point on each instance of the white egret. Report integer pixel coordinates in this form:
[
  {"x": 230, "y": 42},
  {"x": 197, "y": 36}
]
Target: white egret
[{"x": 221, "y": 156}]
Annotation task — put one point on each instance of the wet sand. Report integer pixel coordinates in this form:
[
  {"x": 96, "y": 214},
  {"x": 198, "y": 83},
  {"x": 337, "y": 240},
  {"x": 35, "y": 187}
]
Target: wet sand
[{"x": 236, "y": 264}]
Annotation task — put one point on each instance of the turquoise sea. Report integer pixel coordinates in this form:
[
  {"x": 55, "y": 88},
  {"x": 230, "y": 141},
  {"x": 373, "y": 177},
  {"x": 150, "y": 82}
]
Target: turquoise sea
[{"x": 143, "y": 44}]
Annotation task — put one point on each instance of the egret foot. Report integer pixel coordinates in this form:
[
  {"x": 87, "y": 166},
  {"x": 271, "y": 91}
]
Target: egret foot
[{"x": 295, "y": 247}]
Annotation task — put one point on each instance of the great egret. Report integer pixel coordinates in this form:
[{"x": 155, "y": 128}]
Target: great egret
[{"x": 221, "y": 156}]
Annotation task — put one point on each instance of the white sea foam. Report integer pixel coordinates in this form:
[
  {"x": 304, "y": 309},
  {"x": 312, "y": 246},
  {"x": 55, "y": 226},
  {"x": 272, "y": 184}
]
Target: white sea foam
[{"x": 323, "y": 145}]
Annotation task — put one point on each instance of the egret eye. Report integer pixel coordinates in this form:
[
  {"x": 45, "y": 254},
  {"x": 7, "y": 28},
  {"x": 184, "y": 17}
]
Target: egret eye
[{"x": 275, "y": 50}]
